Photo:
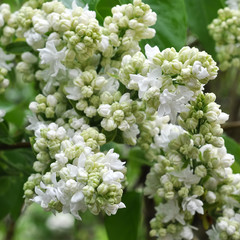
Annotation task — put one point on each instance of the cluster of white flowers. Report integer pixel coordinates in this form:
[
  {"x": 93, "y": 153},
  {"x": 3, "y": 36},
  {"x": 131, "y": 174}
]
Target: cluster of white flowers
[
  {"x": 79, "y": 107},
  {"x": 192, "y": 173},
  {"x": 225, "y": 32},
  {"x": 166, "y": 81},
  {"x": 95, "y": 86},
  {"x": 80, "y": 177}
]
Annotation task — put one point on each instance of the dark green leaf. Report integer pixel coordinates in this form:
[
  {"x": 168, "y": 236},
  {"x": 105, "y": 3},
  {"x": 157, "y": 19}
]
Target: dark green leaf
[
  {"x": 171, "y": 26},
  {"x": 4, "y": 133},
  {"x": 125, "y": 1},
  {"x": 18, "y": 47},
  {"x": 234, "y": 148},
  {"x": 104, "y": 7},
  {"x": 20, "y": 159},
  {"x": 200, "y": 15},
  {"x": 11, "y": 195},
  {"x": 16, "y": 115},
  {"x": 138, "y": 155},
  {"x": 14, "y": 4},
  {"x": 125, "y": 224}
]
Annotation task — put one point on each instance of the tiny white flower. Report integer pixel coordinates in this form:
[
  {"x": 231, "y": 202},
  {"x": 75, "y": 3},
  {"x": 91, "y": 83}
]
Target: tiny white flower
[
  {"x": 111, "y": 209},
  {"x": 103, "y": 45},
  {"x": 187, "y": 176},
  {"x": 113, "y": 160},
  {"x": 187, "y": 233},
  {"x": 199, "y": 71},
  {"x": 34, "y": 39},
  {"x": 4, "y": 58},
  {"x": 172, "y": 103},
  {"x": 51, "y": 101},
  {"x": 170, "y": 211},
  {"x": 151, "y": 52},
  {"x": 222, "y": 225},
  {"x": 40, "y": 25},
  {"x": 104, "y": 110},
  {"x": 50, "y": 56},
  {"x": 192, "y": 205},
  {"x": 213, "y": 234},
  {"x": 29, "y": 57},
  {"x": 169, "y": 132},
  {"x": 153, "y": 79}
]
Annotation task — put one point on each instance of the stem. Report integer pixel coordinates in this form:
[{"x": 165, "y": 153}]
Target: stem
[
  {"x": 10, "y": 229},
  {"x": 15, "y": 146},
  {"x": 230, "y": 125}
]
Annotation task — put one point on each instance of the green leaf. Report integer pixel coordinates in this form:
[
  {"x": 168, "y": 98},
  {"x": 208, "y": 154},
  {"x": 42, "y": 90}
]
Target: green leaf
[
  {"x": 104, "y": 7},
  {"x": 233, "y": 148},
  {"x": 125, "y": 224},
  {"x": 14, "y": 4},
  {"x": 200, "y": 15},
  {"x": 20, "y": 159},
  {"x": 16, "y": 116},
  {"x": 18, "y": 47},
  {"x": 11, "y": 195},
  {"x": 138, "y": 155},
  {"x": 125, "y": 1},
  {"x": 171, "y": 26},
  {"x": 4, "y": 133}
]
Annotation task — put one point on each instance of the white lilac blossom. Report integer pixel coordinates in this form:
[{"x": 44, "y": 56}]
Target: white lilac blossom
[
  {"x": 96, "y": 87},
  {"x": 52, "y": 57},
  {"x": 226, "y": 24},
  {"x": 173, "y": 103}
]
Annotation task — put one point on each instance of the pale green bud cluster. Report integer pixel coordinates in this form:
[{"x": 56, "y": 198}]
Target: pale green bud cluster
[
  {"x": 134, "y": 19},
  {"x": 225, "y": 32},
  {"x": 7, "y": 30},
  {"x": 78, "y": 178},
  {"x": 86, "y": 91},
  {"x": 33, "y": 180},
  {"x": 128, "y": 25},
  {"x": 4, "y": 82},
  {"x": 192, "y": 168},
  {"x": 227, "y": 227},
  {"x": 51, "y": 106},
  {"x": 148, "y": 130},
  {"x": 24, "y": 19},
  {"x": 119, "y": 114},
  {"x": 82, "y": 36},
  {"x": 93, "y": 138},
  {"x": 193, "y": 68},
  {"x": 27, "y": 66},
  {"x": 203, "y": 120},
  {"x": 165, "y": 231},
  {"x": 137, "y": 64}
]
